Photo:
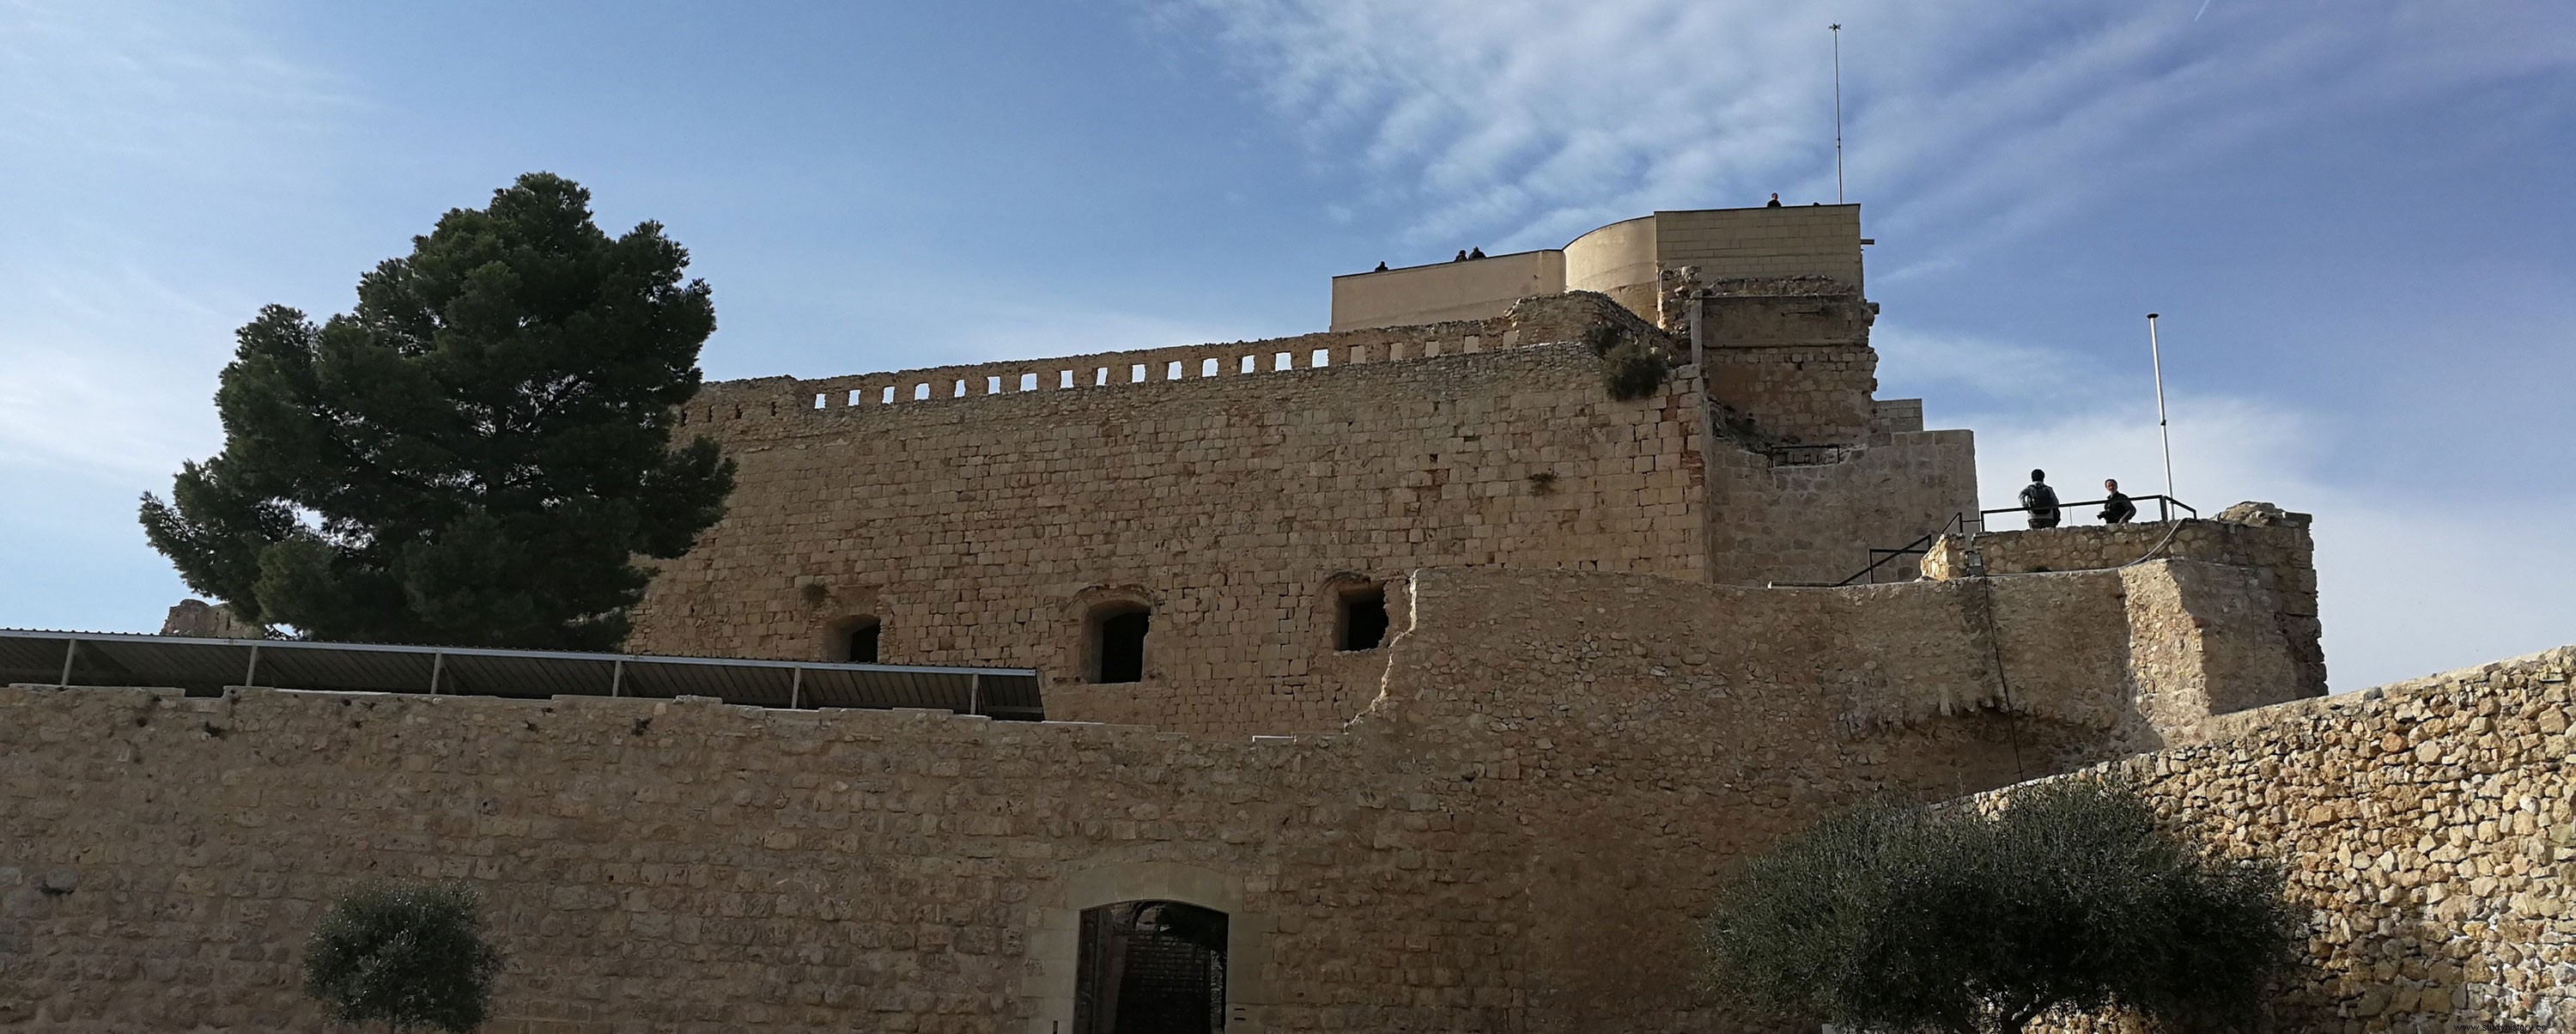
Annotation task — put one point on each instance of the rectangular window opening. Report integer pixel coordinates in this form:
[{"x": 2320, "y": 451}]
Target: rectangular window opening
[
  {"x": 1117, "y": 646},
  {"x": 961, "y": 389},
  {"x": 1207, "y": 367},
  {"x": 1282, "y": 361},
  {"x": 1028, "y": 382},
  {"x": 921, "y": 390},
  {"x": 1172, "y": 370},
  {"x": 1362, "y": 619},
  {"x": 1101, "y": 379},
  {"x": 1252, "y": 364},
  {"x": 1136, "y": 374},
  {"x": 889, "y": 396},
  {"x": 1322, "y": 357},
  {"x": 992, "y": 385},
  {"x": 823, "y": 401},
  {"x": 1065, "y": 382}
]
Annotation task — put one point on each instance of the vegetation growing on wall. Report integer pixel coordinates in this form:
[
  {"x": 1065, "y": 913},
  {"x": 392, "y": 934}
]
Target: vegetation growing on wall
[
  {"x": 476, "y": 454},
  {"x": 404, "y": 955},
  {"x": 1631, "y": 367},
  {"x": 2069, "y": 899}
]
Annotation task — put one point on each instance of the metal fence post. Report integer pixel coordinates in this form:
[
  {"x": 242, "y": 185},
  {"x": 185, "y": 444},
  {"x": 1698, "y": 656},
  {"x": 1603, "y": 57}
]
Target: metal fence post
[
  {"x": 71, "y": 649},
  {"x": 250, "y": 674},
  {"x": 437, "y": 667},
  {"x": 796, "y": 690}
]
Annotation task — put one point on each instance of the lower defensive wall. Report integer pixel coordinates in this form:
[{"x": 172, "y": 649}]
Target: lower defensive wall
[{"x": 1556, "y": 770}]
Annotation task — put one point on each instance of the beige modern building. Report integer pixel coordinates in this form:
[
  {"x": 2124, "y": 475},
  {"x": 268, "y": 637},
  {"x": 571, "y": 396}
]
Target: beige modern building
[{"x": 1625, "y": 260}]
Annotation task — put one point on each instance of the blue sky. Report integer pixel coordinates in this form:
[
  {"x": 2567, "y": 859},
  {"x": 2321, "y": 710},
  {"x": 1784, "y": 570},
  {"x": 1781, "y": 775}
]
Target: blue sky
[{"x": 2354, "y": 215}]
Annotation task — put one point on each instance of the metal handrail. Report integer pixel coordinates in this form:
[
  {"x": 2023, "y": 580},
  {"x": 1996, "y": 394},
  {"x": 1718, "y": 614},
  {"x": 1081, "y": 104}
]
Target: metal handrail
[
  {"x": 2165, "y": 507},
  {"x": 1958, "y": 522}
]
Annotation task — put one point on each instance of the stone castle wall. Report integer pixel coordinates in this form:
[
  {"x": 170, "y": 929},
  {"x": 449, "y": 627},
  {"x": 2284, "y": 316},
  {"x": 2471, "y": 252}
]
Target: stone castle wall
[
  {"x": 2430, "y": 824},
  {"x": 1797, "y": 361},
  {"x": 1514, "y": 834},
  {"x": 2256, "y": 536},
  {"x": 983, "y": 528}
]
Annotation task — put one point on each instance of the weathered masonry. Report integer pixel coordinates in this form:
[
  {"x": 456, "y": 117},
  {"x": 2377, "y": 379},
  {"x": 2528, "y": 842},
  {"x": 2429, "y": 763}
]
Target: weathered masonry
[
  {"x": 1550, "y": 747},
  {"x": 2430, "y": 824},
  {"x": 1398, "y": 678},
  {"x": 1200, "y": 538}
]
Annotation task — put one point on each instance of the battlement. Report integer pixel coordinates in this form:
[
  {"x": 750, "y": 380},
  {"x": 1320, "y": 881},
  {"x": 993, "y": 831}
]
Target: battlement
[{"x": 1546, "y": 319}]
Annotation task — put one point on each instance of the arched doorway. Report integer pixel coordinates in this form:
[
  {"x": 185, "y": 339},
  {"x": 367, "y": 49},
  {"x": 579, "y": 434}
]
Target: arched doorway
[{"x": 1150, "y": 967}]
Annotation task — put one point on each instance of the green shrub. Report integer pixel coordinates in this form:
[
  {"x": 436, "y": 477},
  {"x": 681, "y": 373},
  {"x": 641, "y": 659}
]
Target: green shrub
[
  {"x": 2069, "y": 899},
  {"x": 1633, "y": 369},
  {"x": 1602, "y": 337},
  {"x": 405, "y": 955}
]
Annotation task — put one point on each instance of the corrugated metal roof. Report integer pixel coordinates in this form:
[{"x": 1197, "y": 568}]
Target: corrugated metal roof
[{"x": 206, "y": 666}]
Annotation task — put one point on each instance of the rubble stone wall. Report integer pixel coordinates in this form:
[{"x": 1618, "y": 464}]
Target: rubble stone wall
[
  {"x": 2430, "y": 824},
  {"x": 1514, "y": 835}
]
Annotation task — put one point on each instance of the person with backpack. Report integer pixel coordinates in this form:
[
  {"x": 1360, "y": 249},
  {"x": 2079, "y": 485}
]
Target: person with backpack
[{"x": 2040, "y": 501}]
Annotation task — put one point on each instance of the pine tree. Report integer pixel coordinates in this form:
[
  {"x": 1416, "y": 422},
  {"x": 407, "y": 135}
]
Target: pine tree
[{"x": 476, "y": 454}]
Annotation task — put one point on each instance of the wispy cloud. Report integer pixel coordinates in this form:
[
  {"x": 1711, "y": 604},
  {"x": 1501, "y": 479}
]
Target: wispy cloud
[
  {"x": 2409, "y": 584},
  {"x": 153, "y": 82},
  {"x": 1536, "y": 121},
  {"x": 119, "y": 315}
]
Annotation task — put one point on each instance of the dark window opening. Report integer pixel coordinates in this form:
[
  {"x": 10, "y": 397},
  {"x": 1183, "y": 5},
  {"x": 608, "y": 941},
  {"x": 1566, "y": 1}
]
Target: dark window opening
[
  {"x": 1118, "y": 644},
  {"x": 861, "y": 646},
  {"x": 1150, "y": 967},
  {"x": 1362, "y": 619}
]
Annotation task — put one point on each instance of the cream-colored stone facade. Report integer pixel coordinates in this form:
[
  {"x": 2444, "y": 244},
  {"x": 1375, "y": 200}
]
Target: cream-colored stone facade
[{"x": 1626, "y": 261}]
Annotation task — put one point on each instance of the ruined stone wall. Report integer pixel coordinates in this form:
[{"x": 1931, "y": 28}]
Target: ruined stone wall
[
  {"x": 1797, "y": 361},
  {"x": 2257, "y": 536},
  {"x": 983, "y": 530},
  {"x": 1811, "y": 514},
  {"x": 2430, "y": 824},
  {"x": 1513, "y": 837}
]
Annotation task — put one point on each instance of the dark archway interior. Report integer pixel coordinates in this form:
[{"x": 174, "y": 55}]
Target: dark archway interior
[
  {"x": 1121, "y": 646},
  {"x": 1363, "y": 619},
  {"x": 1150, "y": 967},
  {"x": 862, "y": 645}
]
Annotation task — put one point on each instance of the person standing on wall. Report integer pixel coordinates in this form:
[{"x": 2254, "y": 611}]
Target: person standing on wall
[
  {"x": 1775, "y": 200},
  {"x": 2040, "y": 501},
  {"x": 2116, "y": 508}
]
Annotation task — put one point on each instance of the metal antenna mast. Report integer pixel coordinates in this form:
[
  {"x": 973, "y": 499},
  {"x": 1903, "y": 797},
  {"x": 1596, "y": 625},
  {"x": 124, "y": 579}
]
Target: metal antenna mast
[
  {"x": 1838, "y": 113},
  {"x": 2155, "y": 354}
]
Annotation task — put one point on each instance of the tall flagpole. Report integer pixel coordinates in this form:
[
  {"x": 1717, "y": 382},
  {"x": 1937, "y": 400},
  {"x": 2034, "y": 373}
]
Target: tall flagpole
[
  {"x": 2155, "y": 354},
  {"x": 1838, "y": 113}
]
